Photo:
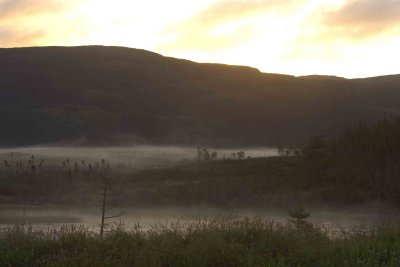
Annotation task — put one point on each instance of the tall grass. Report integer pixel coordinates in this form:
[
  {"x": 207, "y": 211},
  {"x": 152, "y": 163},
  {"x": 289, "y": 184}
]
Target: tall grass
[
  {"x": 218, "y": 242},
  {"x": 281, "y": 182}
]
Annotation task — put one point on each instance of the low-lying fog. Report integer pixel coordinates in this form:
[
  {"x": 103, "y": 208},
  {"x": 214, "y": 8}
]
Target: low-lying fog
[
  {"x": 55, "y": 217},
  {"x": 137, "y": 156},
  {"x": 151, "y": 156}
]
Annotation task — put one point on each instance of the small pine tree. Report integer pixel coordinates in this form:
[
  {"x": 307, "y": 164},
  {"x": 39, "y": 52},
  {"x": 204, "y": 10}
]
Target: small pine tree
[{"x": 299, "y": 217}]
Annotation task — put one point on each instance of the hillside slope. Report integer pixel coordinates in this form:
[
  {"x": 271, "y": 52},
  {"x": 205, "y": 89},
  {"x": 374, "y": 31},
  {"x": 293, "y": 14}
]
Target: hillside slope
[{"x": 108, "y": 95}]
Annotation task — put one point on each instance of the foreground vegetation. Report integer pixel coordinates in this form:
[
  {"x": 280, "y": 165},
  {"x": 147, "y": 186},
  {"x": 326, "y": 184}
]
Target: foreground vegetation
[{"x": 219, "y": 242}]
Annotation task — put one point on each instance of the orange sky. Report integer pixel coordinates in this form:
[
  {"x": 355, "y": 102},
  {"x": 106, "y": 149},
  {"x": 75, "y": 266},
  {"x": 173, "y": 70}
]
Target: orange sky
[{"x": 350, "y": 38}]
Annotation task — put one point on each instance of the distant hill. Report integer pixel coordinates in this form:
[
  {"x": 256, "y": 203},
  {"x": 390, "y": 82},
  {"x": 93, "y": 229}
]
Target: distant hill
[
  {"x": 322, "y": 77},
  {"x": 114, "y": 95}
]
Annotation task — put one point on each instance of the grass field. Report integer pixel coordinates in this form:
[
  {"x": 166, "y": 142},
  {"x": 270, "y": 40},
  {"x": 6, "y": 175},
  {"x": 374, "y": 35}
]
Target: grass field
[{"x": 219, "y": 242}]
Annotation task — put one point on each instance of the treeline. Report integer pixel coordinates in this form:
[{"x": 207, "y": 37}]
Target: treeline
[{"x": 363, "y": 163}]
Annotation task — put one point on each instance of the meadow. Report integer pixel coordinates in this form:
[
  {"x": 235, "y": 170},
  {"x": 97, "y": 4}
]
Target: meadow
[
  {"x": 271, "y": 182},
  {"x": 218, "y": 242}
]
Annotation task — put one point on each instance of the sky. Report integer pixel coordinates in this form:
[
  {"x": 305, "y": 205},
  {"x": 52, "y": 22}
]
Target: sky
[{"x": 348, "y": 38}]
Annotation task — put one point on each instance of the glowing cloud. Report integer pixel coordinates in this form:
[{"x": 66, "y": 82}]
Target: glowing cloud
[{"x": 365, "y": 18}]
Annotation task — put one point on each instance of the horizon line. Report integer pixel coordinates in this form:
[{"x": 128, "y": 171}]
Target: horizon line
[{"x": 207, "y": 62}]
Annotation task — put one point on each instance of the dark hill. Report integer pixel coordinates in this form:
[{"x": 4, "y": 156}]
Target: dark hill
[{"x": 107, "y": 95}]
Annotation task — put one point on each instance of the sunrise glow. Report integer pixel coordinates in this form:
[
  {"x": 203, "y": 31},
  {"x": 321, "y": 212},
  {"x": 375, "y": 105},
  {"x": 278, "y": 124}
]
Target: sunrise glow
[{"x": 350, "y": 38}]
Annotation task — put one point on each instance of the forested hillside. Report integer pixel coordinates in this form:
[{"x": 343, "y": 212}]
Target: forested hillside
[{"x": 113, "y": 95}]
